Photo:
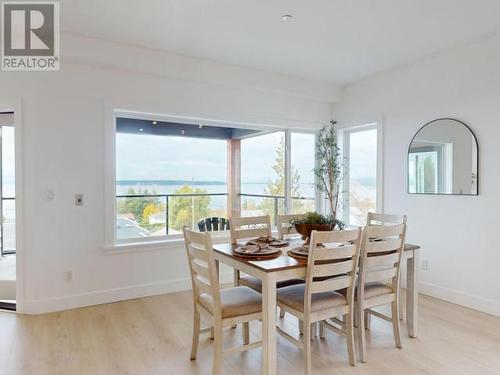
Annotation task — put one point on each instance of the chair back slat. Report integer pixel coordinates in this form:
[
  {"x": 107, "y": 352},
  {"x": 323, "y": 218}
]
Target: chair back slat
[
  {"x": 388, "y": 244},
  {"x": 381, "y": 251},
  {"x": 384, "y": 231},
  {"x": 382, "y": 260},
  {"x": 332, "y": 255},
  {"x": 331, "y": 285},
  {"x": 201, "y": 269},
  {"x": 381, "y": 275},
  {"x": 249, "y": 227},
  {"x": 284, "y": 227},
  {"x": 384, "y": 219},
  {"x": 201, "y": 259},
  {"x": 203, "y": 285},
  {"x": 328, "y": 269},
  {"x": 341, "y": 251}
]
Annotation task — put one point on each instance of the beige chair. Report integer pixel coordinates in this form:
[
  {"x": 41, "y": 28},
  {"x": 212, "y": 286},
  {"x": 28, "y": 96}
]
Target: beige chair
[
  {"x": 284, "y": 227},
  {"x": 331, "y": 266},
  {"x": 244, "y": 228},
  {"x": 384, "y": 219},
  {"x": 225, "y": 307},
  {"x": 379, "y": 276}
]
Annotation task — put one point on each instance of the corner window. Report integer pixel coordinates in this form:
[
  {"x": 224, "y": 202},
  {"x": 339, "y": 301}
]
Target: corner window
[
  {"x": 359, "y": 148},
  {"x": 172, "y": 175}
]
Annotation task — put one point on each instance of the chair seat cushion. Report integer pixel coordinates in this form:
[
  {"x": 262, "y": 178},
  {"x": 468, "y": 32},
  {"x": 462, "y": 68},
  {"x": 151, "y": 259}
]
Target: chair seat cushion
[
  {"x": 372, "y": 289},
  {"x": 256, "y": 284},
  {"x": 376, "y": 288},
  {"x": 236, "y": 301},
  {"x": 293, "y": 296}
]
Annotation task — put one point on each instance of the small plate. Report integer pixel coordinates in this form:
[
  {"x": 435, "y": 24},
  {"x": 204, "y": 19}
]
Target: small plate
[{"x": 256, "y": 250}]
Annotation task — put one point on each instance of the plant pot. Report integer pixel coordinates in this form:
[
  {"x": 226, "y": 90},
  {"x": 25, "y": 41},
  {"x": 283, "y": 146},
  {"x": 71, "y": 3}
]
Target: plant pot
[{"x": 306, "y": 229}]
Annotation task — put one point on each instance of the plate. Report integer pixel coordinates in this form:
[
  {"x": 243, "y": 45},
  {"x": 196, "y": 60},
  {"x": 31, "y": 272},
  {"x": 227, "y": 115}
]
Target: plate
[
  {"x": 302, "y": 251},
  {"x": 256, "y": 250},
  {"x": 271, "y": 241}
]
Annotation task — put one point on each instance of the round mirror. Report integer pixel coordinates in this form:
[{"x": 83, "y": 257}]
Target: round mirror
[{"x": 443, "y": 159}]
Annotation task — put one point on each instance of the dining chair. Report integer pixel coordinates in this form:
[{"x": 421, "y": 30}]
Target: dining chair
[
  {"x": 285, "y": 229},
  {"x": 373, "y": 218},
  {"x": 224, "y": 307},
  {"x": 250, "y": 228},
  {"x": 213, "y": 224},
  {"x": 331, "y": 265},
  {"x": 379, "y": 277}
]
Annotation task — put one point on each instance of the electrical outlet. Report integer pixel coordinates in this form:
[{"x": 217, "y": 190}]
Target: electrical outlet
[
  {"x": 68, "y": 276},
  {"x": 78, "y": 199},
  {"x": 425, "y": 265}
]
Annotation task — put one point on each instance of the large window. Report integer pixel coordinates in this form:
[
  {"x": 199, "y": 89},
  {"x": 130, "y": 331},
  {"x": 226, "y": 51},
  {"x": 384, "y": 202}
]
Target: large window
[
  {"x": 302, "y": 154},
  {"x": 263, "y": 175},
  {"x": 360, "y": 173},
  {"x": 172, "y": 175},
  {"x": 274, "y": 181},
  {"x": 165, "y": 182}
]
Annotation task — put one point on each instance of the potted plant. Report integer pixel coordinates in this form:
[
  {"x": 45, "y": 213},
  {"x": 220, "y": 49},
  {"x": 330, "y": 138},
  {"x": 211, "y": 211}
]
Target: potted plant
[
  {"x": 329, "y": 178},
  {"x": 305, "y": 224}
]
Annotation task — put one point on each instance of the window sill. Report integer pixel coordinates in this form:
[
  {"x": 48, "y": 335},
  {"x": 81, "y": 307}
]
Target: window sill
[{"x": 174, "y": 243}]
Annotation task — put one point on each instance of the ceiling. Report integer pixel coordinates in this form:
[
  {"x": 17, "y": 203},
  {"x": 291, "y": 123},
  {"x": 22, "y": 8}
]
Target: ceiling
[{"x": 338, "y": 41}]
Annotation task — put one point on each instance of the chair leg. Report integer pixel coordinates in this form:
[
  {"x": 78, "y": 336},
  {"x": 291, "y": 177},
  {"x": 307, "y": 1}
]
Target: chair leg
[
  {"x": 212, "y": 333},
  {"x": 196, "y": 334},
  {"x": 321, "y": 330},
  {"x": 349, "y": 323},
  {"x": 246, "y": 333},
  {"x": 368, "y": 319},
  {"x": 301, "y": 327},
  {"x": 217, "y": 361},
  {"x": 307, "y": 348},
  {"x": 282, "y": 313},
  {"x": 401, "y": 305},
  {"x": 236, "y": 282},
  {"x": 313, "y": 330},
  {"x": 395, "y": 324},
  {"x": 362, "y": 335}
]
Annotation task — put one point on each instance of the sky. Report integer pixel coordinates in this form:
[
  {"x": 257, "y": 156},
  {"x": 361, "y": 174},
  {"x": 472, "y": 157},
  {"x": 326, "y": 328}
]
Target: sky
[{"x": 150, "y": 157}]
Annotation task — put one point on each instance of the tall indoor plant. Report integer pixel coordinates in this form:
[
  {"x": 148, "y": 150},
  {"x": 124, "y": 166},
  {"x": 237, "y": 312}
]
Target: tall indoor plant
[
  {"x": 329, "y": 169},
  {"x": 329, "y": 180}
]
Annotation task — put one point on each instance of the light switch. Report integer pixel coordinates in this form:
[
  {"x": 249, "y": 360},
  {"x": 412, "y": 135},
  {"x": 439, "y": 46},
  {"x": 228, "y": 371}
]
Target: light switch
[{"x": 78, "y": 199}]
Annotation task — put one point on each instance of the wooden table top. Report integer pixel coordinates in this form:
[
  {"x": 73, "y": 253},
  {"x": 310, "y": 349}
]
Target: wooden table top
[{"x": 281, "y": 262}]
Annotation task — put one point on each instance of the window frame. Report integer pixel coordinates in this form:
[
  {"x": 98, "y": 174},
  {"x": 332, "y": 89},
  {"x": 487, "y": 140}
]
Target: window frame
[
  {"x": 344, "y": 145},
  {"x": 111, "y": 241}
]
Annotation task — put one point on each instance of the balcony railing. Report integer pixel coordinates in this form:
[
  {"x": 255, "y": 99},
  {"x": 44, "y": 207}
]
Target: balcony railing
[
  {"x": 274, "y": 205},
  {"x": 150, "y": 215}
]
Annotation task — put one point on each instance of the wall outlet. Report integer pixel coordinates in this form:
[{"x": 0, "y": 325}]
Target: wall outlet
[
  {"x": 78, "y": 199},
  {"x": 425, "y": 265},
  {"x": 68, "y": 276}
]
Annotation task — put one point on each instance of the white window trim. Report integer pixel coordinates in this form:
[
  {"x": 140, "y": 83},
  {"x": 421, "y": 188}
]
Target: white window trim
[
  {"x": 112, "y": 245},
  {"x": 344, "y": 149}
]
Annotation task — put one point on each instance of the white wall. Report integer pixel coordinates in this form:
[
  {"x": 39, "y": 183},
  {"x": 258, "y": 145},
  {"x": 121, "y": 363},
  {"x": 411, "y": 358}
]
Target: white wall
[
  {"x": 457, "y": 233},
  {"x": 63, "y": 118}
]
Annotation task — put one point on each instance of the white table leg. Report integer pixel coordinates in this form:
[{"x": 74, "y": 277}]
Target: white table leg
[
  {"x": 412, "y": 295},
  {"x": 269, "y": 360}
]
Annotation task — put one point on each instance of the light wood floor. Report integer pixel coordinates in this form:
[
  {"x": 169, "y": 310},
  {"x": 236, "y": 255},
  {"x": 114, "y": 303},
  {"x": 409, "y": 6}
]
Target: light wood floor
[{"x": 153, "y": 335}]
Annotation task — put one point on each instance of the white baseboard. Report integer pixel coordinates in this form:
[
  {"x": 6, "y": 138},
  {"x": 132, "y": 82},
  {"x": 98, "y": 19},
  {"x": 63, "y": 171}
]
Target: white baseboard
[
  {"x": 460, "y": 298},
  {"x": 36, "y": 307}
]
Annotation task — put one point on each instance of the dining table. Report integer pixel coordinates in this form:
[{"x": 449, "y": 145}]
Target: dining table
[{"x": 284, "y": 267}]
